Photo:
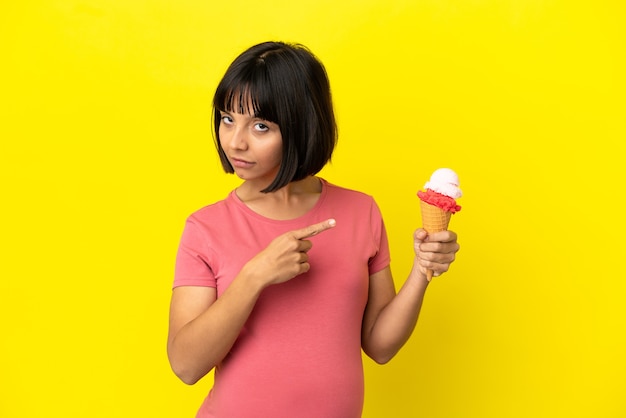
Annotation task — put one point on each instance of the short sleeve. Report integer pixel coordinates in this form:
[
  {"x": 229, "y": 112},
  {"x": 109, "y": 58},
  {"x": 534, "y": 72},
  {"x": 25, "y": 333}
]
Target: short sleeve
[
  {"x": 382, "y": 257},
  {"x": 193, "y": 260}
]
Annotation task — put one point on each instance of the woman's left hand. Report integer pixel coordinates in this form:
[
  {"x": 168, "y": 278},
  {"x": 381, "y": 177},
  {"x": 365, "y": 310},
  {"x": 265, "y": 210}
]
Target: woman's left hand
[{"x": 435, "y": 251}]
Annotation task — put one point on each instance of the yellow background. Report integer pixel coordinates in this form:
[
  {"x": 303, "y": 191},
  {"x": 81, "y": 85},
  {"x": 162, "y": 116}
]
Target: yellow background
[{"x": 106, "y": 148}]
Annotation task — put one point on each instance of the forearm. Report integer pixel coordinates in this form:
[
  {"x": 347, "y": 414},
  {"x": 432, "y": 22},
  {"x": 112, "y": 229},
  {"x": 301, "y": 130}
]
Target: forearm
[
  {"x": 396, "y": 322},
  {"x": 203, "y": 327},
  {"x": 203, "y": 342}
]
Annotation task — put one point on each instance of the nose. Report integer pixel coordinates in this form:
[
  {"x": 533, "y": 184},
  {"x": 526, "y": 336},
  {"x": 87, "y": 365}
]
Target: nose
[{"x": 238, "y": 138}]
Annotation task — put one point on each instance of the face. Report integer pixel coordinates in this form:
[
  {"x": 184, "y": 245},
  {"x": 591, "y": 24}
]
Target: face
[{"x": 253, "y": 146}]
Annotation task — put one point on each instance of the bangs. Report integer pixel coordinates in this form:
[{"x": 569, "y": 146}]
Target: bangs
[{"x": 248, "y": 98}]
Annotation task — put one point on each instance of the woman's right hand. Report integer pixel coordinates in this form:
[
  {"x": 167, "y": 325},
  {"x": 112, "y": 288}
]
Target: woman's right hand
[
  {"x": 286, "y": 256},
  {"x": 203, "y": 327}
]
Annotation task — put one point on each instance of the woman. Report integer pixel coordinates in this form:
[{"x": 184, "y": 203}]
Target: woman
[{"x": 280, "y": 285}]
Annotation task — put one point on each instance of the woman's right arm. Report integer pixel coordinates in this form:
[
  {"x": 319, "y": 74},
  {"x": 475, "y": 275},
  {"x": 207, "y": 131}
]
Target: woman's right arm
[{"x": 203, "y": 327}]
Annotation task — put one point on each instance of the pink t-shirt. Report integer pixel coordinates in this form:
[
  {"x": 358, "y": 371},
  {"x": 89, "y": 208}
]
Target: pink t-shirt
[{"x": 299, "y": 353}]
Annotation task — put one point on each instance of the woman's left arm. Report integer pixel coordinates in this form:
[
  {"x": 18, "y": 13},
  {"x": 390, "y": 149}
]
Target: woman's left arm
[{"x": 389, "y": 318}]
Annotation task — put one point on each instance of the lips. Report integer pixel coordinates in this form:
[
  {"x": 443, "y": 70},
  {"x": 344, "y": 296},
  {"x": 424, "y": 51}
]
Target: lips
[{"x": 240, "y": 163}]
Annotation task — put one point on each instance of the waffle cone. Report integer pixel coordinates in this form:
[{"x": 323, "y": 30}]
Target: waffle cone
[{"x": 434, "y": 219}]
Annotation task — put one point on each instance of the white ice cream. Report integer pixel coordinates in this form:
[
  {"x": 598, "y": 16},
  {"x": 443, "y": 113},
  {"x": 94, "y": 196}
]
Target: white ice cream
[{"x": 446, "y": 182}]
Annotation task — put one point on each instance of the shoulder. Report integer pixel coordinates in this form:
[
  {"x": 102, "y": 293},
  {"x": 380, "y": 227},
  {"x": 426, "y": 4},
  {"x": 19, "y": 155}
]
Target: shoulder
[
  {"x": 359, "y": 205},
  {"x": 348, "y": 195},
  {"x": 351, "y": 201},
  {"x": 211, "y": 212}
]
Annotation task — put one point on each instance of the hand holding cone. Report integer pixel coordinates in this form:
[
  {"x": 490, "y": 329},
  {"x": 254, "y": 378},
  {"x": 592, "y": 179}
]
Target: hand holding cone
[
  {"x": 438, "y": 202},
  {"x": 434, "y": 219}
]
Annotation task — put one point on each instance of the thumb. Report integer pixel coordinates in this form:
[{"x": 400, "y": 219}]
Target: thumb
[
  {"x": 315, "y": 229},
  {"x": 420, "y": 235}
]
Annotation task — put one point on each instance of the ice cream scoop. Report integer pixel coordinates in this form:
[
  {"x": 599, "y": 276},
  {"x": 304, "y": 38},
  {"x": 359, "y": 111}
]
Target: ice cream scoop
[{"x": 446, "y": 182}]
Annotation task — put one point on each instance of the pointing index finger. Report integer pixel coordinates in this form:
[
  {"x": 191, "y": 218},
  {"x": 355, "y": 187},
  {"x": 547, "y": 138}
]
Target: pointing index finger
[{"x": 314, "y": 229}]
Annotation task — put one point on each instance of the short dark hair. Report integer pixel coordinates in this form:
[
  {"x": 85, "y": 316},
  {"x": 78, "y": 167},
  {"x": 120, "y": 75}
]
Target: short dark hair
[{"x": 285, "y": 84}]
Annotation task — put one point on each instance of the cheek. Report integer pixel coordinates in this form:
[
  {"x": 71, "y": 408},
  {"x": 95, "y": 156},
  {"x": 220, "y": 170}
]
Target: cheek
[
  {"x": 223, "y": 138},
  {"x": 277, "y": 154},
  {"x": 270, "y": 158}
]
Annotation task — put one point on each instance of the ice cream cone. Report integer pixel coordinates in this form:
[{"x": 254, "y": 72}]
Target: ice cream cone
[{"x": 434, "y": 219}]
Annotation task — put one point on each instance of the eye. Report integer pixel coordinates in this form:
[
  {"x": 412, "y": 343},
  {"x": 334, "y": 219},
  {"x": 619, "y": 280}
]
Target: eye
[
  {"x": 261, "y": 127},
  {"x": 226, "y": 119}
]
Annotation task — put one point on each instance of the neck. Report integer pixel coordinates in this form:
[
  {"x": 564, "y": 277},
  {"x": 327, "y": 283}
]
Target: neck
[
  {"x": 311, "y": 184},
  {"x": 289, "y": 202}
]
